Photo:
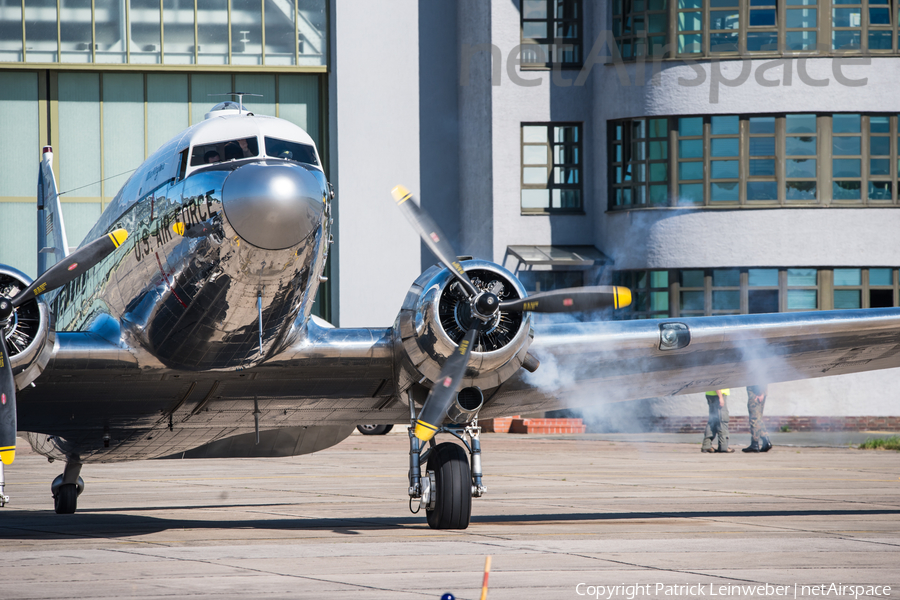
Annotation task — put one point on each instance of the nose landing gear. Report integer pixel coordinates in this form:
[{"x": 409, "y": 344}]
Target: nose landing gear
[{"x": 66, "y": 488}]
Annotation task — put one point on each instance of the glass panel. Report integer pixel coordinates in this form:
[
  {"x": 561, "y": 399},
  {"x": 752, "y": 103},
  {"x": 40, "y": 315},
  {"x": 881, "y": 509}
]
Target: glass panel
[
  {"x": 879, "y": 16},
  {"x": 659, "y": 301},
  {"x": 726, "y": 278},
  {"x": 880, "y": 39},
  {"x": 762, "y": 190},
  {"x": 532, "y": 175},
  {"x": 845, "y": 40},
  {"x": 801, "y": 18},
  {"x": 178, "y": 28},
  {"x": 762, "y": 42},
  {"x": 659, "y": 194},
  {"x": 79, "y": 136},
  {"x": 40, "y": 31},
  {"x": 11, "y": 32},
  {"x": 800, "y": 40},
  {"x": 801, "y": 167},
  {"x": 801, "y": 146},
  {"x": 659, "y": 172},
  {"x": 881, "y": 277},
  {"x": 800, "y": 123},
  {"x": 763, "y": 277},
  {"x": 762, "y": 18},
  {"x": 692, "y": 278},
  {"x": 725, "y": 192},
  {"x": 298, "y": 97},
  {"x": 847, "y": 299},
  {"x": 847, "y": 277},
  {"x": 110, "y": 31},
  {"x": 262, "y": 84},
  {"x": 534, "y": 134},
  {"x": 690, "y": 170},
  {"x": 726, "y": 300},
  {"x": 723, "y": 42},
  {"x": 880, "y": 190},
  {"x": 246, "y": 32},
  {"x": 725, "y": 169},
  {"x": 534, "y": 30},
  {"x": 880, "y": 166},
  {"x": 534, "y": 155},
  {"x": 19, "y": 126},
  {"x": 690, "y": 148},
  {"x": 847, "y": 17},
  {"x": 845, "y": 167},
  {"x": 725, "y": 125},
  {"x": 801, "y": 277},
  {"x": 800, "y": 190},
  {"x": 144, "y": 22},
  {"x": 802, "y": 300},
  {"x": 762, "y": 124},
  {"x": 880, "y": 145},
  {"x": 690, "y": 21},
  {"x": 167, "y": 108},
  {"x": 762, "y": 146},
  {"x": 16, "y": 217},
  {"x": 846, "y": 190},
  {"x": 75, "y": 31},
  {"x": 535, "y": 198},
  {"x": 659, "y": 150},
  {"x": 313, "y": 32},
  {"x": 692, "y": 301},
  {"x": 212, "y": 34},
  {"x": 202, "y": 86},
  {"x": 846, "y": 123},
  {"x": 879, "y": 125},
  {"x": 658, "y": 127},
  {"x": 725, "y": 147},
  {"x": 123, "y": 102},
  {"x": 846, "y": 145},
  {"x": 690, "y": 193},
  {"x": 690, "y": 3},
  {"x": 688, "y": 126},
  {"x": 688, "y": 44},
  {"x": 659, "y": 279},
  {"x": 762, "y": 167}
]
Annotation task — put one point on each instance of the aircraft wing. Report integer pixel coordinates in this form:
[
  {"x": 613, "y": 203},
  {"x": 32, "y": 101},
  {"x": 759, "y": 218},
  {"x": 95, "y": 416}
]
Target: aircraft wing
[{"x": 589, "y": 363}]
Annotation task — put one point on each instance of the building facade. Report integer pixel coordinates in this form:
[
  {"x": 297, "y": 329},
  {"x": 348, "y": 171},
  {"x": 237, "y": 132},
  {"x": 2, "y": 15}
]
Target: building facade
[{"x": 716, "y": 156}]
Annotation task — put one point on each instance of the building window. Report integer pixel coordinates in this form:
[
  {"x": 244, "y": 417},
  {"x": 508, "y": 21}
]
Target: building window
[
  {"x": 735, "y": 160},
  {"x": 544, "y": 281},
  {"x": 705, "y": 292},
  {"x": 551, "y": 167},
  {"x": 171, "y": 32},
  {"x": 732, "y": 28},
  {"x": 552, "y": 33}
]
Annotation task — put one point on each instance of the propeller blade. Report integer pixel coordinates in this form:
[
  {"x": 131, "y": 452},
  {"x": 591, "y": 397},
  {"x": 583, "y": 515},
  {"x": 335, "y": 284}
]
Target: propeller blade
[
  {"x": 72, "y": 266},
  {"x": 440, "y": 399},
  {"x": 432, "y": 235},
  {"x": 7, "y": 406},
  {"x": 571, "y": 300}
]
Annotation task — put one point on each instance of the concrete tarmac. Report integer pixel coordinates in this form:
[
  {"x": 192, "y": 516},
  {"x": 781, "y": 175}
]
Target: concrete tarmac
[{"x": 558, "y": 513}]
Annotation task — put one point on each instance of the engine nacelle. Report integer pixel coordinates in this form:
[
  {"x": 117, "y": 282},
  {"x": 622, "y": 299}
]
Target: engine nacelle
[
  {"x": 28, "y": 338},
  {"x": 435, "y": 316}
]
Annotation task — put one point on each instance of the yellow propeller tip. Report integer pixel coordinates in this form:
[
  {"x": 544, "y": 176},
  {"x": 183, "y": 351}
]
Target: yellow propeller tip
[
  {"x": 178, "y": 228},
  {"x": 8, "y": 456},
  {"x": 424, "y": 431},
  {"x": 118, "y": 236},
  {"x": 623, "y": 297},
  {"x": 400, "y": 193}
]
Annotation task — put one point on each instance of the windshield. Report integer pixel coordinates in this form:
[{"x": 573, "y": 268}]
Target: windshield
[
  {"x": 208, "y": 154},
  {"x": 295, "y": 151}
]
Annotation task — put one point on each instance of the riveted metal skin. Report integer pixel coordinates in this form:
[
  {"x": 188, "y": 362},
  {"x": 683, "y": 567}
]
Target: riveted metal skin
[{"x": 422, "y": 345}]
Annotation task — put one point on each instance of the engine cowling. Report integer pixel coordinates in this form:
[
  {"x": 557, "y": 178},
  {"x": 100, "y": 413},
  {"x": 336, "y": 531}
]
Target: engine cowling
[
  {"x": 435, "y": 317},
  {"x": 28, "y": 331}
]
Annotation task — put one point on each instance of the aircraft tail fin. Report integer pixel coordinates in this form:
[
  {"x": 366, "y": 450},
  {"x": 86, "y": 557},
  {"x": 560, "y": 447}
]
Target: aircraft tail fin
[{"x": 52, "y": 243}]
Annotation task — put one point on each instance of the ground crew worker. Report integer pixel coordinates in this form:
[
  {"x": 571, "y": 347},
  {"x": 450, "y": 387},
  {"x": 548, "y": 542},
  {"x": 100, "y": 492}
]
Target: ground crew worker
[
  {"x": 717, "y": 425},
  {"x": 756, "y": 402}
]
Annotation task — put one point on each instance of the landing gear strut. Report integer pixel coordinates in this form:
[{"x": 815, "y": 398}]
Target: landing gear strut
[
  {"x": 451, "y": 479},
  {"x": 4, "y": 499},
  {"x": 66, "y": 488}
]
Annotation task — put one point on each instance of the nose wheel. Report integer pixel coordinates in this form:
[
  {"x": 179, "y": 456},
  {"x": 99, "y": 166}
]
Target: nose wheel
[{"x": 451, "y": 501}]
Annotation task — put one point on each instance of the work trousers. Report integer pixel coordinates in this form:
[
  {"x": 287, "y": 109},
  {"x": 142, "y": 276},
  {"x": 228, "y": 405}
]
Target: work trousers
[
  {"x": 757, "y": 425},
  {"x": 717, "y": 426}
]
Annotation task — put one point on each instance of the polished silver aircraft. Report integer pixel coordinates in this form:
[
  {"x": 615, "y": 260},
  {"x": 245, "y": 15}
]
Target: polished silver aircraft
[{"x": 182, "y": 325}]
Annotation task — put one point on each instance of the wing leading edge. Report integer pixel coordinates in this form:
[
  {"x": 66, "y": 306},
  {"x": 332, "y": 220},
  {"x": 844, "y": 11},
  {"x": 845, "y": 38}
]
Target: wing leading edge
[{"x": 590, "y": 363}]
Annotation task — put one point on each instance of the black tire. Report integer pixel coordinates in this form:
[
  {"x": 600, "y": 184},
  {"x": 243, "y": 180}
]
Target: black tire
[
  {"x": 374, "y": 429},
  {"x": 66, "y": 500},
  {"x": 453, "y": 487}
]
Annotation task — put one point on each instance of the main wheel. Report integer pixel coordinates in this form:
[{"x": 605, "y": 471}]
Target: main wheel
[
  {"x": 66, "y": 500},
  {"x": 374, "y": 429},
  {"x": 453, "y": 487}
]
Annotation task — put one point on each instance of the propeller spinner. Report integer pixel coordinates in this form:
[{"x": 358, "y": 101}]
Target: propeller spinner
[
  {"x": 484, "y": 306},
  {"x": 56, "y": 276}
]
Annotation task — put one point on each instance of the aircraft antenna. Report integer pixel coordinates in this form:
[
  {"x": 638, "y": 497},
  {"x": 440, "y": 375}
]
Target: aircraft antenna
[{"x": 240, "y": 97}]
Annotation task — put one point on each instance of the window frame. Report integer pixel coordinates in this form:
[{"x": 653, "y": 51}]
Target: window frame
[
  {"x": 551, "y": 164},
  {"x": 551, "y": 42}
]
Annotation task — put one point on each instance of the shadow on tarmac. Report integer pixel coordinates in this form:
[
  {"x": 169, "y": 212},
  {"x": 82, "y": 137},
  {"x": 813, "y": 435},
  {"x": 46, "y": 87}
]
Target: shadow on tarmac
[{"x": 94, "y": 524}]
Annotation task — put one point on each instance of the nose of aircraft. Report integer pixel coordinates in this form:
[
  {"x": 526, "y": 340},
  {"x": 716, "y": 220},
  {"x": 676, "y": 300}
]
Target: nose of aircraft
[{"x": 273, "y": 206}]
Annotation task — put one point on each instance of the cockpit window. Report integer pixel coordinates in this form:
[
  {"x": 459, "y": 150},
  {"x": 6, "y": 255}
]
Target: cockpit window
[
  {"x": 291, "y": 151},
  {"x": 208, "y": 154}
]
